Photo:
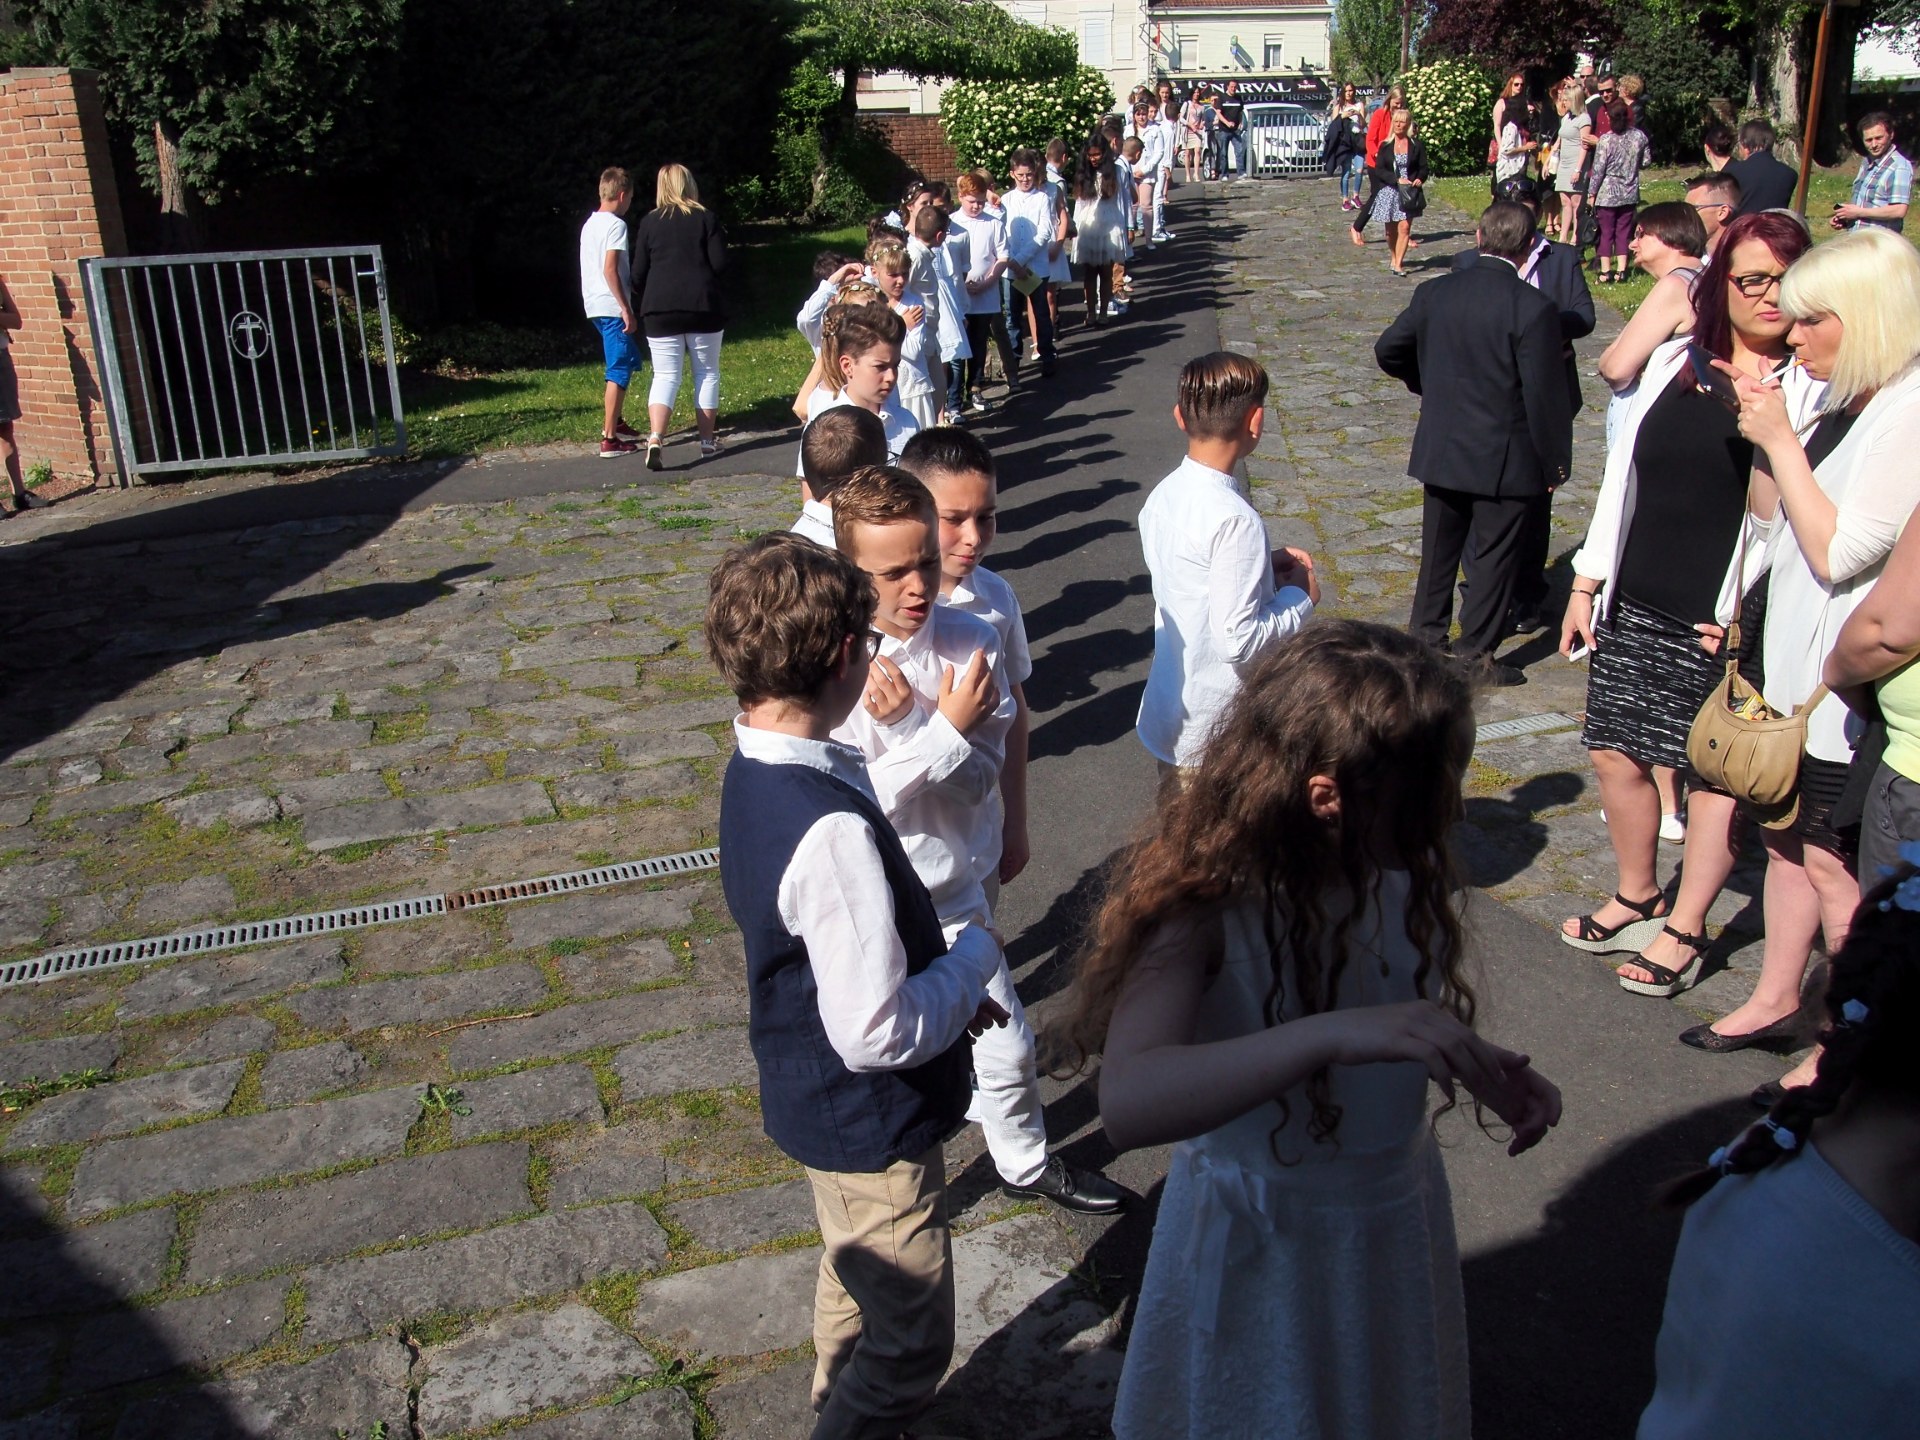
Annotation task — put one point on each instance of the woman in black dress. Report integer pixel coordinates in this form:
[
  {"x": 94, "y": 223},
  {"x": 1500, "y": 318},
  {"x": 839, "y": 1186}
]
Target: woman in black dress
[
  {"x": 1663, "y": 566},
  {"x": 679, "y": 251}
]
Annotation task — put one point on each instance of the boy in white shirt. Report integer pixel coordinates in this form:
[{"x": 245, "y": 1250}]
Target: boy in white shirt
[
  {"x": 834, "y": 445},
  {"x": 1220, "y": 596},
  {"x": 987, "y": 249},
  {"x": 1032, "y": 222},
  {"x": 933, "y": 727},
  {"x": 605, "y": 268},
  {"x": 860, "y": 1007},
  {"x": 1153, "y": 159}
]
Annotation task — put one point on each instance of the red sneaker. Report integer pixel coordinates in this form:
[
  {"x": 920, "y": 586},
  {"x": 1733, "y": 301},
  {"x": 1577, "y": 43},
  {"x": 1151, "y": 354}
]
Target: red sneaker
[
  {"x": 612, "y": 447},
  {"x": 624, "y": 431}
]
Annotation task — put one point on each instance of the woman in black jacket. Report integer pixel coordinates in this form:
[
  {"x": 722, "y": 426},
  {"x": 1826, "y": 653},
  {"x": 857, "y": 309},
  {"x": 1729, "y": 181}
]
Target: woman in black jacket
[
  {"x": 679, "y": 251},
  {"x": 1400, "y": 160}
]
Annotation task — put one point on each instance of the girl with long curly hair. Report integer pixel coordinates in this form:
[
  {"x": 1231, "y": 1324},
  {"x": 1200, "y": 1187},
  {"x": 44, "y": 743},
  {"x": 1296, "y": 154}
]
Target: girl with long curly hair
[{"x": 1274, "y": 977}]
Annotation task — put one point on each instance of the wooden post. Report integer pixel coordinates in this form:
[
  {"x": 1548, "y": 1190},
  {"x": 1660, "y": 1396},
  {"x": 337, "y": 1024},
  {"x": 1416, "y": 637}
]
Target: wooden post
[{"x": 1810, "y": 117}]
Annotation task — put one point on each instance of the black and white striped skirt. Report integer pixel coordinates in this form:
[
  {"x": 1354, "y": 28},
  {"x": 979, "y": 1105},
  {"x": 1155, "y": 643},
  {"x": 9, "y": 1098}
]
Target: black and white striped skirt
[{"x": 1646, "y": 682}]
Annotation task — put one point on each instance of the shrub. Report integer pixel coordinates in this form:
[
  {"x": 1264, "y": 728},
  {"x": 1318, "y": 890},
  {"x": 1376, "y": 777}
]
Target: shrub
[
  {"x": 854, "y": 179},
  {"x": 987, "y": 123},
  {"x": 1685, "y": 65},
  {"x": 1452, "y": 104},
  {"x": 484, "y": 348}
]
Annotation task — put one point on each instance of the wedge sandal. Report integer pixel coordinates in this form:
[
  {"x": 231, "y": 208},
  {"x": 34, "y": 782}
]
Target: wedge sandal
[
  {"x": 1598, "y": 939},
  {"x": 1667, "y": 982}
]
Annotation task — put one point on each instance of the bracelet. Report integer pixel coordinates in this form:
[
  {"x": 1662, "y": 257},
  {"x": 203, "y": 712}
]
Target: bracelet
[{"x": 1588, "y": 593}]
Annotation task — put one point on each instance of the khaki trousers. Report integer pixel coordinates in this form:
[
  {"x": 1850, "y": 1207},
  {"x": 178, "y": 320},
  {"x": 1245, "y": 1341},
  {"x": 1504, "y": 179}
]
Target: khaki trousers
[{"x": 883, "y": 1306}]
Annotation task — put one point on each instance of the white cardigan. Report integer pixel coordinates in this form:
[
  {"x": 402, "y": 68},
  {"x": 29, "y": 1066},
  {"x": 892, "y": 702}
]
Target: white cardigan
[
  {"x": 1874, "y": 482},
  {"x": 1599, "y": 557}
]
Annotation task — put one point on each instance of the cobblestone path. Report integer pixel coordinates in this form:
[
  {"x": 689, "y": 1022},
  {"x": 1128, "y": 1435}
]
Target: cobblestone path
[{"x": 504, "y": 1166}]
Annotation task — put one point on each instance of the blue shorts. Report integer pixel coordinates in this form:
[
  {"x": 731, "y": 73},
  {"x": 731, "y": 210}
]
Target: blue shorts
[{"x": 623, "y": 356}]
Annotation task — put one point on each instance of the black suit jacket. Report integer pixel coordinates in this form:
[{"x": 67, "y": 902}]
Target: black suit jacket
[
  {"x": 677, "y": 260},
  {"x": 1482, "y": 349},
  {"x": 1766, "y": 183},
  {"x": 1563, "y": 280}
]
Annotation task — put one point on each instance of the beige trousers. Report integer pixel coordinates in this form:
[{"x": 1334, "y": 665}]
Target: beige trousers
[{"x": 883, "y": 1306}]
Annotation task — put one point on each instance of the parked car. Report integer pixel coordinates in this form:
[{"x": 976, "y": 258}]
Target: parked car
[{"x": 1284, "y": 139}]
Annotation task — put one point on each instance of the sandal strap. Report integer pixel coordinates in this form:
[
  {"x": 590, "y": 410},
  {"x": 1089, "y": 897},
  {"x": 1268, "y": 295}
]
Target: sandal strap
[
  {"x": 1660, "y": 974},
  {"x": 1643, "y": 908},
  {"x": 1692, "y": 942}
]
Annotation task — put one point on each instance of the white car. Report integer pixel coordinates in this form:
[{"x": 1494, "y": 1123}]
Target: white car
[{"x": 1284, "y": 139}]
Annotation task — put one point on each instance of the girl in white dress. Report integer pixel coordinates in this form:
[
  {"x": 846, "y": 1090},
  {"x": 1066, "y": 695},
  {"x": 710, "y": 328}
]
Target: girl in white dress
[{"x": 1274, "y": 978}]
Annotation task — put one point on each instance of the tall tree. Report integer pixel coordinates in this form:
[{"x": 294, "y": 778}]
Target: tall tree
[
  {"x": 1521, "y": 32},
  {"x": 220, "y": 91},
  {"x": 1366, "y": 40}
]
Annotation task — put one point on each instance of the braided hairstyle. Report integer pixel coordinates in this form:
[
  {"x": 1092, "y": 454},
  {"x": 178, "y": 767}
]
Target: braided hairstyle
[
  {"x": 1873, "y": 1009},
  {"x": 853, "y": 330}
]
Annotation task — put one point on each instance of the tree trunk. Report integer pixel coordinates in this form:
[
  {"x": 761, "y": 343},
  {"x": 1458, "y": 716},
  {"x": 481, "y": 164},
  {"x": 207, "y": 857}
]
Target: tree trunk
[
  {"x": 1779, "y": 82},
  {"x": 179, "y": 226},
  {"x": 845, "y": 115}
]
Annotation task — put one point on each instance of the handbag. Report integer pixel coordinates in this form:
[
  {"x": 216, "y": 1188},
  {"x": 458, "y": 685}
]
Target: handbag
[
  {"x": 1413, "y": 200},
  {"x": 1739, "y": 744}
]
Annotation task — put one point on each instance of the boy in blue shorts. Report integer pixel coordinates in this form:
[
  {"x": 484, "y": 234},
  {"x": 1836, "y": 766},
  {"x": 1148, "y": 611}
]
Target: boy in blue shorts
[
  {"x": 860, "y": 1009},
  {"x": 604, "y": 271}
]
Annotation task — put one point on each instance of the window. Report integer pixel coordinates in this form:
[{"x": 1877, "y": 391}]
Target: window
[
  {"x": 1276, "y": 56},
  {"x": 1186, "y": 51},
  {"x": 1096, "y": 46}
]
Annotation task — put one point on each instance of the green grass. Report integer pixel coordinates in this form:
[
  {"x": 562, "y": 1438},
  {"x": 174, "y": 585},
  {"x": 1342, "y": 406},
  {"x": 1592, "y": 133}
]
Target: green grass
[
  {"x": 1468, "y": 193},
  {"x": 762, "y": 362}
]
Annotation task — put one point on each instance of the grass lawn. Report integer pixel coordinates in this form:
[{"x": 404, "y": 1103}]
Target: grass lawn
[
  {"x": 762, "y": 362},
  {"x": 1826, "y": 189}
]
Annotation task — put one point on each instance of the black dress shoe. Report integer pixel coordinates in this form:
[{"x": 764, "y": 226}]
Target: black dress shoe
[
  {"x": 1087, "y": 1191},
  {"x": 1501, "y": 676},
  {"x": 1782, "y": 1034},
  {"x": 1526, "y": 620}
]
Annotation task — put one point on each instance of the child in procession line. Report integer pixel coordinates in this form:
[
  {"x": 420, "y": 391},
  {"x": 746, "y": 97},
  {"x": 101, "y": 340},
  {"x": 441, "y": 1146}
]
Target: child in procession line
[
  {"x": 859, "y": 1007},
  {"x": 859, "y": 365},
  {"x": 842, "y": 440},
  {"x": 919, "y": 353},
  {"x": 933, "y": 727}
]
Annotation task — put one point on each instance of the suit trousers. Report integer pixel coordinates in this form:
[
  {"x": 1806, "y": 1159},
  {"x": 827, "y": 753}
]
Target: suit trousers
[
  {"x": 1530, "y": 581},
  {"x": 1485, "y": 536},
  {"x": 883, "y": 1307}
]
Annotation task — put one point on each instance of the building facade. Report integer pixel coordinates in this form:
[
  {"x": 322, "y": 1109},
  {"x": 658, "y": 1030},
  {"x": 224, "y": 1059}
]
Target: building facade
[{"x": 1135, "y": 42}]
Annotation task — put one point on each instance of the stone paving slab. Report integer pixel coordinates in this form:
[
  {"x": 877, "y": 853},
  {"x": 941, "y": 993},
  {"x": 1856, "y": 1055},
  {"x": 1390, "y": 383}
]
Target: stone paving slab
[
  {"x": 202, "y": 1330},
  {"x": 548, "y": 1096},
  {"x": 392, "y": 819},
  {"x": 225, "y": 1038},
  {"x": 520, "y": 1364},
  {"x": 418, "y": 1001},
  {"x": 402, "y": 1199},
  {"x": 599, "y": 915},
  {"x": 572, "y": 1029},
  {"x": 620, "y": 968},
  {"x": 694, "y": 1060},
  {"x": 296, "y": 1075},
  {"x": 741, "y": 1307},
  {"x": 489, "y": 1268},
  {"x": 745, "y": 1218},
  {"x": 129, "y": 1105},
  {"x": 351, "y": 1389},
  {"x": 64, "y": 1055},
  {"x": 776, "y": 1405},
  {"x": 86, "y": 1268},
  {"x": 229, "y": 979},
  {"x": 239, "y": 1150},
  {"x": 650, "y": 1415}
]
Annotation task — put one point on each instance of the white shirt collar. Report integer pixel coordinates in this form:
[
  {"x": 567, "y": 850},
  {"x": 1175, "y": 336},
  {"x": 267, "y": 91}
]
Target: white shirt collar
[
  {"x": 829, "y": 757},
  {"x": 1192, "y": 469}
]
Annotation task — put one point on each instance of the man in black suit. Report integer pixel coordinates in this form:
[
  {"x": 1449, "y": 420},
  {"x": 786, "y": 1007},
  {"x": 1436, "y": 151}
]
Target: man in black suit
[
  {"x": 1482, "y": 349},
  {"x": 1765, "y": 183},
  {"x": 1555, "y": 271}
]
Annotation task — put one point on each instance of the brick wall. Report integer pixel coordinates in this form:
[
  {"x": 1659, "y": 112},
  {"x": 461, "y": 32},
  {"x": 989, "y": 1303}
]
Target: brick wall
[
  {"x": 920, "y": 142},
  {"x": 58, "y": 203}
]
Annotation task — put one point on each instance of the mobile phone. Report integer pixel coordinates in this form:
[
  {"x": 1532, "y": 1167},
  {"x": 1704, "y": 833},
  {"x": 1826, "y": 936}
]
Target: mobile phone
[
  {"x": 1715, "y": 382},
  {"x": 1577, "y": 654}
]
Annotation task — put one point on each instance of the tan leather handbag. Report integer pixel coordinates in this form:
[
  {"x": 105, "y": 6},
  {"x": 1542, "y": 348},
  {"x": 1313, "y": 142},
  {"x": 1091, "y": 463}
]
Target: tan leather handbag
[{"x": 1739, "y": 745}]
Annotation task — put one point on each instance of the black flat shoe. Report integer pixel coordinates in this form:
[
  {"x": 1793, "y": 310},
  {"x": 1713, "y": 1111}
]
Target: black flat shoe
[
  {"x": 1782, "y": 1034},
  {"x": 1086, "y": 1191}
]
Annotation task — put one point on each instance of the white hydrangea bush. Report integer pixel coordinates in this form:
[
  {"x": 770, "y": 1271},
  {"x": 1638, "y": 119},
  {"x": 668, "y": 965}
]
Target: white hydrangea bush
[
  {"x": 986, "y": 123},
  {"x": 1452, "y": 104}
]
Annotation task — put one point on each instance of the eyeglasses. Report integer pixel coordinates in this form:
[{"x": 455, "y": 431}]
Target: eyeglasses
[
  {"x": 1711, "y": 204},
  {"x": 871, "y": 640},
  {"x": 1755, "y": 285}
]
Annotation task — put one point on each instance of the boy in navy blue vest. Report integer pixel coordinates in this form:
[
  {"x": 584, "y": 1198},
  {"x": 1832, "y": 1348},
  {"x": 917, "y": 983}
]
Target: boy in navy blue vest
[{"x": 860, "y": 1011}]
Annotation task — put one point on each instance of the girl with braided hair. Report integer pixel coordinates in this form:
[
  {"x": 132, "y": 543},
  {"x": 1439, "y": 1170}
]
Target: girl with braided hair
[
  {"x": 1274, "y": 978},
  {"x": 860, "y": 345},
  {"x": 1795, "y": 1294}
]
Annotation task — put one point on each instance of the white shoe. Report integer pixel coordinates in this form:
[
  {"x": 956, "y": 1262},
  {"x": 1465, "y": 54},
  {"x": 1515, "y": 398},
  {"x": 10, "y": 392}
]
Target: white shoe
[
  {"x": 1116, "y": 307},
  {"x": 1673, "y": 829},
  {"x": 1163, "y": 237}
]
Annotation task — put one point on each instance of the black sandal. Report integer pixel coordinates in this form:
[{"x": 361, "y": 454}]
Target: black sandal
[
  {"x": 1667, "y": 982},
  {"x": 1629, "y": 934}
]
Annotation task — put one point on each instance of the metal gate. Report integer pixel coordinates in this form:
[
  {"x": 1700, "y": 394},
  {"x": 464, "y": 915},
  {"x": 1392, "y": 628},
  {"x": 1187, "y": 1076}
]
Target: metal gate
[{"x": 245, "y": 358}]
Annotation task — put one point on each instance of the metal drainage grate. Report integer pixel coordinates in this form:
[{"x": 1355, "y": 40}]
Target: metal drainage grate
[
  {"x": 59, "y": 964},
  {"x": 1525, "y": 725}
]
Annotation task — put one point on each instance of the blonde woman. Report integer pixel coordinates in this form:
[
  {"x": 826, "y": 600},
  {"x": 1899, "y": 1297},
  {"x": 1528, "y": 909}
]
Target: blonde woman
[
  {"x": 1844, "y": 492},
  {"x": 679, "y": 251},
  {"x": 1568, "y": 162}
]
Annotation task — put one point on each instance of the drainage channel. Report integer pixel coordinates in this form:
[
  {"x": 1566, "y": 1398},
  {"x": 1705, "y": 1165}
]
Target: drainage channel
[
  {"x": 1525, "y": 725},
  {"x": 85, "y": 960}
]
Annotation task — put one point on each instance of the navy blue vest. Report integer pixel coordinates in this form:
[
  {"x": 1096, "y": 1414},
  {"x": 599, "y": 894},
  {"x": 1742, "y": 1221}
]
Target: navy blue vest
[{"x": 812, "y": 1106}]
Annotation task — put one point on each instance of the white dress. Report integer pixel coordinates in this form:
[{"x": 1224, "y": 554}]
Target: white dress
[{"x": 1314, "y": 1301}]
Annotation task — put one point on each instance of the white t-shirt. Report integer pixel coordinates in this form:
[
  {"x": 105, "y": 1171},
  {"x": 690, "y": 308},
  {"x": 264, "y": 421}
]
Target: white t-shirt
[{"x": 603, "y": 231}]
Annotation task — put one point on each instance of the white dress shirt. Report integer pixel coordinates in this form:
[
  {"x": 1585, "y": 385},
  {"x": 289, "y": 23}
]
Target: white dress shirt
[
  {"x": 986, "y": 243},
  {"x": 894, "y": 419},
  {"x": 934, "y": 783},
  {"x": 835, "y": 898},
  {"x": 1031, "y": 223},
  {"x": 814, "y": 313},
  {"x": 816, "y": 523},
  {"x": 1215, "y": 608},
  {"x": 985, "y": 596}
]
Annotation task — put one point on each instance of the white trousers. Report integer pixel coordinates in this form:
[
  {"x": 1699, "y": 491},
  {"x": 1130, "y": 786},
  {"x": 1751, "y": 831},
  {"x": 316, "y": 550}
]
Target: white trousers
[
  {"x": 666, "y": 352},
  {"x": 1006, "y": 1098}
]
